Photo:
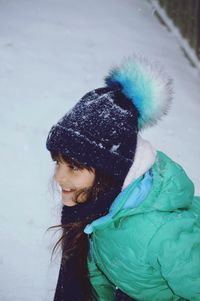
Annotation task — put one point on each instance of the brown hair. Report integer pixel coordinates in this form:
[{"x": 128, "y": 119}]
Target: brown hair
[{"x": 78, "y": 241}]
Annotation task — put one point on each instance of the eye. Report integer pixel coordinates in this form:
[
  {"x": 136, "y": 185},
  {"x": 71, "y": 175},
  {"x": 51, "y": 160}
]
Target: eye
[
  {"x": 56, "y": 162},
  {"x": 74, "y": 168}
]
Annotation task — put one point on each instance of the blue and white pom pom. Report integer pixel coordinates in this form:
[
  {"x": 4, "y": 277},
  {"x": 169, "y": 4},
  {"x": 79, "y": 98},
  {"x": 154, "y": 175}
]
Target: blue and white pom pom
[{"x": 147, "y": 85}]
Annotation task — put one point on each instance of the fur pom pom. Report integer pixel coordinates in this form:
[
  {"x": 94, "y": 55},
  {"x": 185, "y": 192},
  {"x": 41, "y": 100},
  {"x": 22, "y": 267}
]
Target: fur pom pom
[{"x": 146, "y": 84}]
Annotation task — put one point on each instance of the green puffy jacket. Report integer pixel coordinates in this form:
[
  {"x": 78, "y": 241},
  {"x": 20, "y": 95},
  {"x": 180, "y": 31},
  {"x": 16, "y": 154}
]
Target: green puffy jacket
[{"x": 151, "y": 251}]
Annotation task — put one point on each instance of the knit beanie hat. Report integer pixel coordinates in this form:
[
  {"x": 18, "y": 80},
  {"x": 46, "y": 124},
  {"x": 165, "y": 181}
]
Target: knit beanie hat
[{"x": 101, "y": 130}]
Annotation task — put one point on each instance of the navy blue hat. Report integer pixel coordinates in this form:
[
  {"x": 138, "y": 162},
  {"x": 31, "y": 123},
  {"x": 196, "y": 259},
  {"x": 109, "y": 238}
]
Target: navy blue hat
[{"x": 101, "y": 129}]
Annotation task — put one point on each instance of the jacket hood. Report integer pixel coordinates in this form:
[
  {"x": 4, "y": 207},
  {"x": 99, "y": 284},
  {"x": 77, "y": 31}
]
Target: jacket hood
[
  {"x": 172, "y": 189},
  {"x": 164, "y": 187}
]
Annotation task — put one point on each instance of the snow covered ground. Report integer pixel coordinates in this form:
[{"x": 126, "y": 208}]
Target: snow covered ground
[{"x": 51, "y": 53}]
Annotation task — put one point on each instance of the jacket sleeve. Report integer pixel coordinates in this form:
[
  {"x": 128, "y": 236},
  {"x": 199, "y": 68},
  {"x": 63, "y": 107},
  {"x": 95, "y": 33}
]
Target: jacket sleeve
[
  {"x": 175, "y": 251},
  {"x": 104, "y": 289}
]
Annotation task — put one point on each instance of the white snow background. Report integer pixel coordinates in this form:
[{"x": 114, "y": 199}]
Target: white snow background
[{"x": 51, "y": 53}]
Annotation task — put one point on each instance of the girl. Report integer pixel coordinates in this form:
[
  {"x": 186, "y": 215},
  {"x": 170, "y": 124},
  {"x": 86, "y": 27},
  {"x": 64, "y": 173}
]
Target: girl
[{"x": 130, "y": 220}]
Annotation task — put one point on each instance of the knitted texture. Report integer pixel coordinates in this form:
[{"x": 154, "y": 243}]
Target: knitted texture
[{"x": 100, "y": 131}]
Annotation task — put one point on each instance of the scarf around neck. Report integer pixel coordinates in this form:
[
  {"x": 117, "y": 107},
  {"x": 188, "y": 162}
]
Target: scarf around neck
[{"x": 68, "y": 286}]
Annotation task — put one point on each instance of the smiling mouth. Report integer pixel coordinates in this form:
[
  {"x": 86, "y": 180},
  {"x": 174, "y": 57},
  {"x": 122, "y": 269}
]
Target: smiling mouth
[{"x": 67, "y": 191}]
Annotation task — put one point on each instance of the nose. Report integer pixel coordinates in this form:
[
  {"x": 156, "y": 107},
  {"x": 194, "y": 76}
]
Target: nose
[{"x": 60, "y": 175}]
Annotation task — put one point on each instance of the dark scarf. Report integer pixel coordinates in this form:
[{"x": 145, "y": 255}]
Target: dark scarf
[{"x": 68, "y": 287}]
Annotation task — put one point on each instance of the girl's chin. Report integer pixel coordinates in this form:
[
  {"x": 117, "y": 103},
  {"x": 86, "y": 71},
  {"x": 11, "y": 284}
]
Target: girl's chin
[
  {"x": 68, "y": 203},
  {"x": 67, "y": 199}
]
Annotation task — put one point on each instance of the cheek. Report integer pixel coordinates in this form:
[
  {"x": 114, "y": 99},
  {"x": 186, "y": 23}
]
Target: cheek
[
  {"x": 91, "y": 179},
  {"x": 87, "y": 179}
]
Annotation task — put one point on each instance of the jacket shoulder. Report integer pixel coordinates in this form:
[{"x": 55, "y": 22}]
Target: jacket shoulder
[{"x": 175, "y": 189}]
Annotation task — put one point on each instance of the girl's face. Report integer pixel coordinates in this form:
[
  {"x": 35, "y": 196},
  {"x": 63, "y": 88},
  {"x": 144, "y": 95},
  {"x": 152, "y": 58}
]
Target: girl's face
[{"x": 71, "y": 179}]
